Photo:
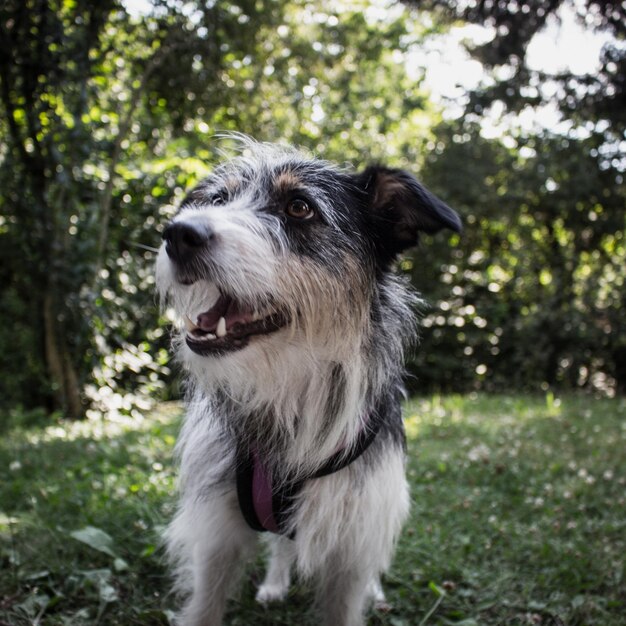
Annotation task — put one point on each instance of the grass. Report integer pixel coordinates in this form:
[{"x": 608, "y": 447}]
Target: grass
[{"x": 519, "y": 517}]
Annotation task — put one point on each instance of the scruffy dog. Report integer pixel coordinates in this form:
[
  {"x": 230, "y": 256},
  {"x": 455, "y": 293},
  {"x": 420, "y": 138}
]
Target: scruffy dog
[{"x": 292, "y": 331}]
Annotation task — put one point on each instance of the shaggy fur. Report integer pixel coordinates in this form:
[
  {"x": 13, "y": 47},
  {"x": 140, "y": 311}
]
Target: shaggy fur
[{"x": 295, "y": 254}]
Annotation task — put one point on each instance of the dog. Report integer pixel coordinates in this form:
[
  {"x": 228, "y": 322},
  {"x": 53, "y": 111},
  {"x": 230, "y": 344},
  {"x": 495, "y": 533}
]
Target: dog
[{"x": 292, "y": 329}]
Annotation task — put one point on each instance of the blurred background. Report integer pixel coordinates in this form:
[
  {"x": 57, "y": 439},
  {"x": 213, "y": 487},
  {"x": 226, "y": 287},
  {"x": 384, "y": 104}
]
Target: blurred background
[{"x": 512, "y": 111}]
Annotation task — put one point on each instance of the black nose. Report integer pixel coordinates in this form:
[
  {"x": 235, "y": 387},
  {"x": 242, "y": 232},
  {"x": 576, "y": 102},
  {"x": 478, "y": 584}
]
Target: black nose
[{"x": 183, "y": 240}]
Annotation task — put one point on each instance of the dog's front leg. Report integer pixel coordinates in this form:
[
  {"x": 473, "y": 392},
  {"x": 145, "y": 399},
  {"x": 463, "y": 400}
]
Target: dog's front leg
[
  {"x": 342, "y": 597},
  {"x": 215, "y": 573},
  {"x": 218, "y": 543}
]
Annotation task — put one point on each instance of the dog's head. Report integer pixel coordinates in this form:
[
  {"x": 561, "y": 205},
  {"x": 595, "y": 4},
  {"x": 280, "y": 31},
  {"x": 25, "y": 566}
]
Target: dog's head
[{"x": 276, "y": 249}]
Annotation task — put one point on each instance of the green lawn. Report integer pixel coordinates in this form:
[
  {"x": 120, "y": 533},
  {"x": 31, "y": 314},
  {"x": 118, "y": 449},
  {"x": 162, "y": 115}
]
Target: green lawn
[{"x": 519, "y": 517}]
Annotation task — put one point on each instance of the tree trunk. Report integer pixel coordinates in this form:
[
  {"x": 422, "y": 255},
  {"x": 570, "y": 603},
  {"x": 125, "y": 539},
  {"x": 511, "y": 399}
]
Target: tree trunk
[{"x": 62, "y": 373}]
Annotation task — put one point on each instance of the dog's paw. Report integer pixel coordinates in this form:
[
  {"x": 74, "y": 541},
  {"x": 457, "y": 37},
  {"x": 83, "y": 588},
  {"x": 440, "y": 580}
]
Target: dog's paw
[
  {"x": 270, "y": 593},
  {"x": 377, "y": 596},
  {"x": 380, "y": 603}
]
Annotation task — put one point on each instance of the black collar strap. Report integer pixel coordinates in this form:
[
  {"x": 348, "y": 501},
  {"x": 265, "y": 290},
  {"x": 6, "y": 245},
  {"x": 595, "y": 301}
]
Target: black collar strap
[{"x": 267, "y": 507}]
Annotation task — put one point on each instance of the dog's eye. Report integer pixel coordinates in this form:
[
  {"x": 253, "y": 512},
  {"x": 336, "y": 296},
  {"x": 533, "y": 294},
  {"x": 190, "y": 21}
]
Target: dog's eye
[
  {"x": 299, "y": 209},
  {"x": 218, "y": 198}
]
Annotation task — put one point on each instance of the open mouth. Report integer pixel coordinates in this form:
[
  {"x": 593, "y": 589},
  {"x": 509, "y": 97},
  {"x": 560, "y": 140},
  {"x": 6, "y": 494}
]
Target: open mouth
[{"x": 229, "y": 325}]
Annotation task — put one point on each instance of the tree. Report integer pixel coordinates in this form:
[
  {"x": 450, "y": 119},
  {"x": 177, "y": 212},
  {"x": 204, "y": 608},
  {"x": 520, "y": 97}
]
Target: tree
[
  {"x": 108, "y": 118},
  {"x": 546, "y": 215},
  {"x": 591, "y": 97},
  {"x": 45, "y": 69}
]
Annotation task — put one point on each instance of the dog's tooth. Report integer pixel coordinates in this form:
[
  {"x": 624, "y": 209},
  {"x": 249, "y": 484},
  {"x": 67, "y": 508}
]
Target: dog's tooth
[
  {"x": 189, "y": 325},
  {"x": 256, "y": 316},
  {"x": 220, "y": 331},
  {"x": 196, "y": 336}
]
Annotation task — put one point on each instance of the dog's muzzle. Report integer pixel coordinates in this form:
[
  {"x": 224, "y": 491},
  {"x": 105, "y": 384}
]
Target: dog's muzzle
[{"x": 229, "y": 324}]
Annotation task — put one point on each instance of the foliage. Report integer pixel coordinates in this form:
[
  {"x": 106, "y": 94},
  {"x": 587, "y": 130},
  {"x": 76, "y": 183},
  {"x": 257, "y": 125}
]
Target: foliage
[
  {"x": 81, "y": 507},
  {"x": 592, "y": 97},
  {"x": 516, "y": 518},
  {"x": 110, "y": 114},
  {"x": 109, "y": 119},
  {"x": 538, "y": 276}
]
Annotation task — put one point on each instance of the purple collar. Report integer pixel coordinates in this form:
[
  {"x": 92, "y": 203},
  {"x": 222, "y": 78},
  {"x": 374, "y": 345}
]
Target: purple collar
[{"x": 265, "y": 505}]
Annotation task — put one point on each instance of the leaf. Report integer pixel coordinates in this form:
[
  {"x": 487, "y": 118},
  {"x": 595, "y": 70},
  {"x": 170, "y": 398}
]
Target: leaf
[
  {"x": 95, "y": 538},
  {"x": 156, "y": 617},
  {"x": 80, "y": 617},
  {"x": 438, "y": 591},
  {"x": 34, "y": 604},
  {"x": 37, "y": 575},
  {"x": 148, "y": 550},
  {"x": 97, "y": 576},
  {"x": 120, "y": 565},
  {"x": 107, "y": 592},
  {"x": 101, "y": 579}
]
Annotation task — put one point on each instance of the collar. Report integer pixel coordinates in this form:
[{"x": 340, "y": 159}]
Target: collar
[{"x": 266, "y": 503}]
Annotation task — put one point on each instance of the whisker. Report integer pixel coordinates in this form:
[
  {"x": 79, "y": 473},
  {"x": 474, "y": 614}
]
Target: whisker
[{"x": 142, "y": 246}]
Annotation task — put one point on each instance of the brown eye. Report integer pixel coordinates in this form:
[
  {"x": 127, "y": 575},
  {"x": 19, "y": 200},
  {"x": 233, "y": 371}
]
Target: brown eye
[{"x": 299, "y": 209}]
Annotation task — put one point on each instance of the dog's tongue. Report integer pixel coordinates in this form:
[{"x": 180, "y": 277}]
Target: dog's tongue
[
  {"x": 225, "y": 307},
  {"x": 207, "y": 321}
]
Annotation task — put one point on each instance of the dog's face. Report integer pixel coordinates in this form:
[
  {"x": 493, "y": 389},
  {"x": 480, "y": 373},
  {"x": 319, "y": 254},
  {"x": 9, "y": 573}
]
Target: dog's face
[{"x": 275, "y": 248}]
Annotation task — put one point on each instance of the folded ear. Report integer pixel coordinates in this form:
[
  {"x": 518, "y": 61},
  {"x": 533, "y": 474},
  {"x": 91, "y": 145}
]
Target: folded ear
[{"x": 401, "y": 207}]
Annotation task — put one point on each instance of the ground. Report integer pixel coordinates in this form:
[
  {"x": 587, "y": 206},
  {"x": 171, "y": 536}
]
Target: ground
[{"x": 518, "y": 518}]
